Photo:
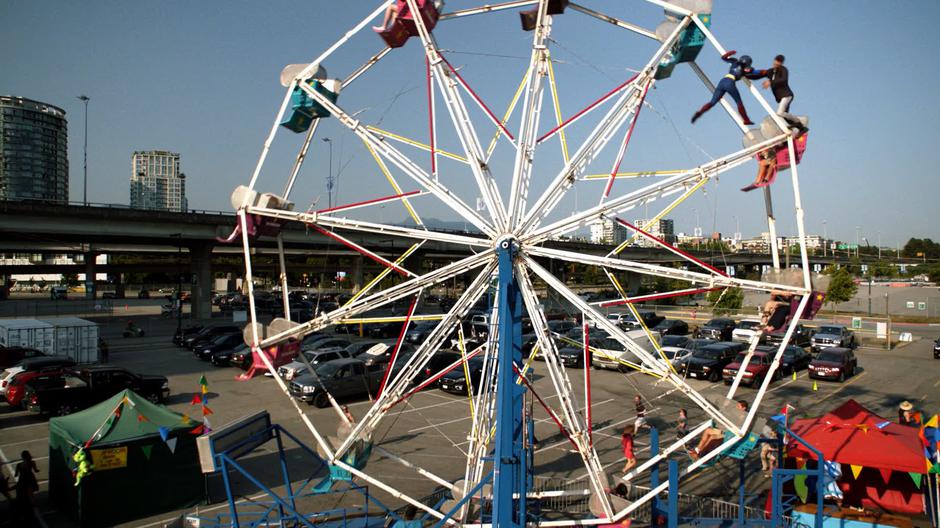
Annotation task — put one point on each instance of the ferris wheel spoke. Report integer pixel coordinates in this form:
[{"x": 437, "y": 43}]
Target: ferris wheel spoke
[
  {"x": 381, "y": 298},
  {"x": 563, "y": 389},
  {"x": 413, "y": 366},
  {"x": 655, "y": 364},
  {"x": 447, "y": 80},
  {"x": 626, "y": 105},
  {"x": 369, "y": 227},
  {"x": 404, "y": 163},
  {"x": 694, "y": 277},
  {"x": 531, "y": 111},
  {"x": 650, "y": 193}
]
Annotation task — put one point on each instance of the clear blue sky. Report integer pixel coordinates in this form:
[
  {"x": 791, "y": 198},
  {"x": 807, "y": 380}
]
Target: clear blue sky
[{"x": 201, "y": 78}]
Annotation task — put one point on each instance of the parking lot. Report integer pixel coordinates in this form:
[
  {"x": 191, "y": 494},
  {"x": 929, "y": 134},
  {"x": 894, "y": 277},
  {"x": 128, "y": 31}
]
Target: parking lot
[{"x": 431, "y": 429}]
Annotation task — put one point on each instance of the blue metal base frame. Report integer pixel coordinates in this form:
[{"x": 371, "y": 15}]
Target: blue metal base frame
[
  {"x": 281, "y": 508},
  {"x": 510, "y": 464}
]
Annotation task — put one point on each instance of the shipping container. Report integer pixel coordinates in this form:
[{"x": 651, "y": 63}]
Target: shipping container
[
  {"x": 28, "y": 333},
  {"x": 75, "y": 338}
]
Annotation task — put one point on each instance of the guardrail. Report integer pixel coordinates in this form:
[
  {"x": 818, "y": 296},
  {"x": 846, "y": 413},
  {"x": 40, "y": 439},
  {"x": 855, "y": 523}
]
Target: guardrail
[{"x": 82, "y": 307}]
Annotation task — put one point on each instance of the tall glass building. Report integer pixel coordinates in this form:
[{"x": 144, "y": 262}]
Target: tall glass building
[
  {"x": 156, "y": 181},
  {"x": 34, "y": 161}
]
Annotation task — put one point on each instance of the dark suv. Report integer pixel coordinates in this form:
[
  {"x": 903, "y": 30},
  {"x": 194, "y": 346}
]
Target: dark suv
[
  {"x": 708, "y": 361},
  {"x": 719, "y": 328}
]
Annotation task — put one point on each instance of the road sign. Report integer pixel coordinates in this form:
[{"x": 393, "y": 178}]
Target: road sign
[
  {"x": 922, "y": 306},
  {"x": 910, "y": 304},
  {"x": 856, "y": 322}
]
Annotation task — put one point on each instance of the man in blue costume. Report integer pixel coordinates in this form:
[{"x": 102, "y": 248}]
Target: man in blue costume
[{"x": 728, "y": 85}]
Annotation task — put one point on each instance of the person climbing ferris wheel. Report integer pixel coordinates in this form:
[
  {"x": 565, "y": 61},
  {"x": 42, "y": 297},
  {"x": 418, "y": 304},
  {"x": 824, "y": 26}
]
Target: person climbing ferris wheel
[{"x": 510, "y": 247}]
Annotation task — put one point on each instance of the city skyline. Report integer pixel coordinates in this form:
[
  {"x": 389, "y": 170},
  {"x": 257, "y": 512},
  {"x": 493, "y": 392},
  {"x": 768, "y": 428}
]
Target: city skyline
[{"x": 843, "y": 168}]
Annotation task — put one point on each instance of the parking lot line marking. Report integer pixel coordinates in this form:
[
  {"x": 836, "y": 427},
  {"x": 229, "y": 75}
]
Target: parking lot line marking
[
  {"x": 44, "y": 439},
  {"x": 203, "y": 510},
  {"x": 844, "y": 385},
  {"x": 937, "y": 383},
  {"x": 23, "y": 426}
]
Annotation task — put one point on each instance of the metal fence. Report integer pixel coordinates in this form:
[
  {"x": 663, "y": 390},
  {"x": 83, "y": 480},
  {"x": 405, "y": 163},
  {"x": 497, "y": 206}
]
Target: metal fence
[{"x": 39, "y": 308}]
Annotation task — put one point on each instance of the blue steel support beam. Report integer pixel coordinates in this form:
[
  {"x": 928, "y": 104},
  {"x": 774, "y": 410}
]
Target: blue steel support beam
[
  {"x": 672, "y": 519},
  {"x": 509, "y": 467}
]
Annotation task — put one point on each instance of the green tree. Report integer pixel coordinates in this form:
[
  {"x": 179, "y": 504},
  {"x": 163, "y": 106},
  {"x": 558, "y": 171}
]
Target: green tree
[
  {"x": 842, "y": 286},
  {"x": 726, "y": 301}
]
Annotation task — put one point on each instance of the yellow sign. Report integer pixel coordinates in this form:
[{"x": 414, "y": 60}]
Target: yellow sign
[{"x": 109, "y": 458}]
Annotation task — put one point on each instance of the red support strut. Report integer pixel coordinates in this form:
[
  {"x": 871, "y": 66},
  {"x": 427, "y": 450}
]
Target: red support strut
[{"x": 672, "y": 248}]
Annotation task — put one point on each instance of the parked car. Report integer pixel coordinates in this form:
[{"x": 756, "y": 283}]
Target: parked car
[
  {"x": 382, "y": 355},
  {"x": 420, "y": 332},
  {"x": 834, "y": 363},
  {"x": 226, "y": 341},
  {"x": 745, "y": 330},
  {"x": 794, "y": 358},
  {"x": 560, "y": 326},
  {"x": 362, "y": 346},
  {"x": 802, "y": 336},
  {"x": 455, "y": 381},
  {"x": 383, "y": 330},
  {"x": 436, "y": 363},
  {"x": 342, "y": 378},
  {"x": 708, "y": 362},
  {"x": 677, "y": 356},
  {"x": 30, "y": 370},
  {"x": 611, "y": 354},
  {"x": 12, "y": 355},
  {"x": 59, "y": 293},
  {"x": 672, "y": 327},
  {"x": 755, "y": 372},
  {"x": 833, "y": 335},
  {"x": 184, "y": 332},
  {"x": 327, "y": 343},
  {"x": 719, "y": 328},
  {"x": 314, "y": 358},
  {"x": 675, "y": 340},
  {"x": 936, "y": 349},
  {"x": 226, "y": 357},
  {"x": 207, "y": 334},
  {"x": 78, "y": 389},
  {"x": 241, "y": 358},
  {"x": 33, "y": 364}
]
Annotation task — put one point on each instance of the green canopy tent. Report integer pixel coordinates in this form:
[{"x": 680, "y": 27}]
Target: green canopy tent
[{"x": 144, "y": 455}]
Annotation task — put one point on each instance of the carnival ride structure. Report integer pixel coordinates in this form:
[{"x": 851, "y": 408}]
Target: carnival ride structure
[{"x": 513, "y": 220}]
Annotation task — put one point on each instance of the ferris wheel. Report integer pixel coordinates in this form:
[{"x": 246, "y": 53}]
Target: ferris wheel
[{"x": 516, "y": 215}]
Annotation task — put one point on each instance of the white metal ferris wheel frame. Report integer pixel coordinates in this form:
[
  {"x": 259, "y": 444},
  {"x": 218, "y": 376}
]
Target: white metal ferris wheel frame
[{"x": 514, "y": 219}]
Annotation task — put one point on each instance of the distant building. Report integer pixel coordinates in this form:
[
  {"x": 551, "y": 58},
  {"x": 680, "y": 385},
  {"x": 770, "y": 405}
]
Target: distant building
[
  {"x": 663, "y": 229},
  {"x": 609, "y": 232},
  {"x": 34, "y": 161},
  {"x": 156, "y": 181}
]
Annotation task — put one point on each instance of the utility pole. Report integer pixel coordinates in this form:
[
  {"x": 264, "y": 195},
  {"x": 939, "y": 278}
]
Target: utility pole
[
  {"x": 179, "y": 285},
  {"x": 857, "y": 228},
  {"x": 329, "y": 177},
  {"x": 85, "y": 99},
  {"x": 825, "y": 238}
]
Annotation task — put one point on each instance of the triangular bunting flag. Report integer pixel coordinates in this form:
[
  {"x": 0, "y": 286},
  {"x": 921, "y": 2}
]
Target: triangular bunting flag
[
  {"x": 205, "y": 423},
  {"x": 129, "y": 402},
  {"x": 800, "y": 462},
  {"x": 863, "y": 427},
  {"x": 794, "y": 375},
  {"x": 164, "y": 432},
  {"x": 117, "y": 412},
  {"x": 815, "y": 388},
  {"x": 799, "y": 485},
  {"x": 882, "y": 425},
  {"x": 171, "y": 443},
  {"x": 856, "y": 470},
  {"x": 206, "y": 411},
  {"x": 198, "y": 430},
  {"x": 779, "y": 418},
  {"x": 916, "y": 477},
  {"x": 205, "y": 389},
  {"x": 185, "y": 419},
  {"x": 934, "y": 469},
  {"x": 197, "y": 400},
  {"x": 146, "y": 449},
  {"x": 142, "y": 418},
  {"x": 202, "y": 381},
  {"x": 205, "y": 399},
  {"x": 885, "y": 474}
]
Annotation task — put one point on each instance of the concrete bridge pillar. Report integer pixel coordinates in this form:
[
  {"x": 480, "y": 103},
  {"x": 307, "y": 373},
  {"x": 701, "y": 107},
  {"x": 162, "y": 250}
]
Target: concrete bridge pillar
[
  {"x": 201, "y": 269},
  {"x": 118, "y": 285},
  {"x": 357, "y": 267},
  {"x": 90, "y": 273}
]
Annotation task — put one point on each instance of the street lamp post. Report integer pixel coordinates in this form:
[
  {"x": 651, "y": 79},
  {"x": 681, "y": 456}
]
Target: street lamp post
[
  {"x": 857, "y": 228},
  {"x": 179, "y": 284},
  {"x": 329, "y": 177},
  {"x": 85, "y": 99},
  {"x": 825, "y": 238}
]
